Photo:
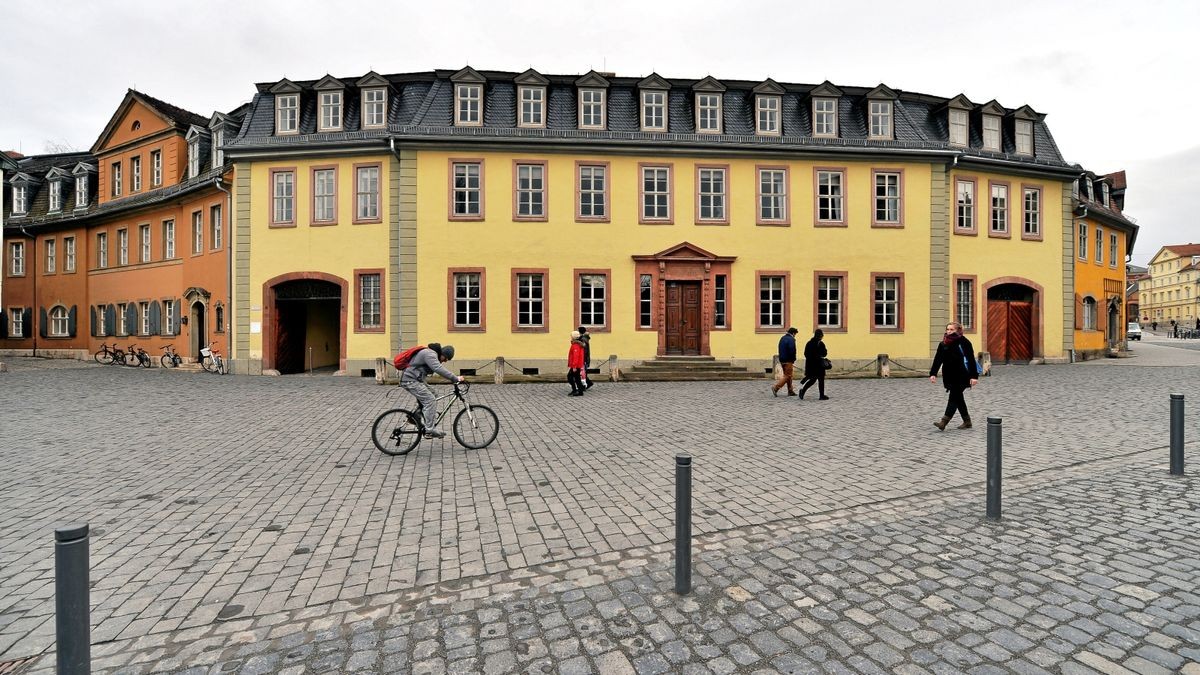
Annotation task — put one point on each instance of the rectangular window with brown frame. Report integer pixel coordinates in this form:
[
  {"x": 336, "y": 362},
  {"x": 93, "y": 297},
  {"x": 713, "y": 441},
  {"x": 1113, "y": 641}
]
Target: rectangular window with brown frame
[
  {"x": 887, "y": 302},
  {"x": 324, "y": 205},
  {"x": 772, "y": 301},
  {"x": 656, "y": 195},
  {"x": 592, "y": 188},
  {"x": 530, "y": 294},
  {"x": 889, "y": 199},
  {"x": 830, "y": 190},
  {"x": 68, "y": 254},
  {"x": 1031, "y": 212},
  {"x": 721, "y": 302},
  {"x": 592, "y": 306},
  {"x": 773, "y": 207},
  {"x": 366, "y": 193},
  {"x": 645, "y": 302},
  {"x": 283, "y": 197},
  {"x": 51, "y": 248},
  {"x": 829, "y": 303},
  {"x": 964, "y": 302},
  {"x": 964, "y": 206},
  {"x": 369, "y": 310},
  {"x": 712, "y": 195},
  {"x": 467, "y": 300},
  {"x": 998, "y": 222},
  {"x": 529, "y": 190},
  {"x": 466, "y": 189}
]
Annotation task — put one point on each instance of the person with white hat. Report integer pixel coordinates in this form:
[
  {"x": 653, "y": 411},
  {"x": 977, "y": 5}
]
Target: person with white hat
[{"x": 575, "y": 365}]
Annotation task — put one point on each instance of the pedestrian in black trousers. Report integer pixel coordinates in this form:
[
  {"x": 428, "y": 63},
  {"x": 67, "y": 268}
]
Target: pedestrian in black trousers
[
  {"x": 814, "y": 364},
  {"x": 956, "y": 358}
]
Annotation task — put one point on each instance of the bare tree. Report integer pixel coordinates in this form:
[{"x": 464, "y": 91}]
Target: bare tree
[{"x": 58, "y": 147}]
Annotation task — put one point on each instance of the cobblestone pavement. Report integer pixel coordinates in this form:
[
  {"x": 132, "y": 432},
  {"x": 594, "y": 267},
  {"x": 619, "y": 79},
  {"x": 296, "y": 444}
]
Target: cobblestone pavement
[{"x": 239, "y": 520}]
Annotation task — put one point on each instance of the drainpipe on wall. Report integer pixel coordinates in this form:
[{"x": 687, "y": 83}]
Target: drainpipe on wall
[
  {"x": 31, "y": 256},
  {"x": 228, "y": 266}
]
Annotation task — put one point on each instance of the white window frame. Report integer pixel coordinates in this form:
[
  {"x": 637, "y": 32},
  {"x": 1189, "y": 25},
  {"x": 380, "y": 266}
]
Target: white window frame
[
  {"x": 193, "y": 153},
  {"x": 370, "y": 300},
  {"x": 825, "y": 122},
  {"x": 720, "y": 301},
  {"x": 145, "y": 243},
  {"x": 998, "y": 206},
  {"x": 964, "y": 302},
  {"x": 882, "y": 121},
  {"x": 1104, "y": 193},
  {"x": 831, "y": 196},
  {"x": 1113, "y": 249},
  {"x": 156, "y": 168},
  {"x": 960, "y": 127},
  {"x": 709, "y": 112},
  {"x": 20, "y": 200},
  {"x": 656, "y": 200},
  {"x": 1031, "y": 221},
  {"x": 122, "y": 323},
  {"x": 531, "y": 190},
  {"x": 60, "y": 322},
  {"x": 593, "y": 296},
  {"x": 366, "y": 194},
  {"x": 712, "y": 199},
  {"x": 645, "y": 301},
  {"x": 532, "y": 113},
  {"x": 135, "y": 173},
  {"x": 324, "y": 186},
  {"x": 772, "y": 300},
  {"x": 55, "y": 195},
  {"x": 964, "y": 209},
  {"x": 168, "y": 317},
  {"x": 1099, "y": 250},
  {"x": 330, "y": 118},
  {"x": 68, "y": 254},
  {"x": 218, "y": 155},
  {"x": 654, "y": 111},
  {"x": 991, "y": 133},
  {"x": 1082, "y": 238},
  {"x": 123, "y": 246},
  {"x": 169, "y": 239},
  {"x": 144, "y": 313},
  {"x": 893, "y": 204},
  {"x": 468, "y": 105},
  {"x": 593, "y": 105},
  {"x": 831, "y": 301},
  {"x": 102, "y": 250},
  {"x": 886, "y": 296},
  {"x": 775, "y": 190},
  {"x": 81, "y": 191},
  {"x": 197, "y": 232},
  {"x": 1024, "y": 137},
  {"x": 51, "y": 256},
  {"x": 283, "y": 197},
  {"x": 531, "y": 300},
  {"x": 16, "y": 267},
  {"x": 591, "y": 195},
  {"x": 1089, "y": 313},
  {"x": 767, "y": 113},
  {"x": 116, "y": 179},
  {"x": 468, "y": 189},
  {"x": 101, "y": 321},
  {"x": 16, "y": 321},
  {"x": 374, "y": 105},
  {"x": 215, "y": 226},
  {"x": 466, "y": 305},
  {"x": 287, "y": 114}
]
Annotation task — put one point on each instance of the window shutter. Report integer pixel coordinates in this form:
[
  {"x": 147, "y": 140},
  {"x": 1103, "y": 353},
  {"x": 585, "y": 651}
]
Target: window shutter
[
  {"x": 131, "y": 319},
  {"x": 1078, "y": 312},
  {"x": 72, "y": 321},
  {"x": 27, "y": 322},
  {"x": 178, "y": 307},
  {"x": 92, "y": 315},
  {"x": 110, "y": 320},
  {"x": 42, "y": 322},
  {"x": 3, "y": 323},
  {"x": 155, "y": 317}
]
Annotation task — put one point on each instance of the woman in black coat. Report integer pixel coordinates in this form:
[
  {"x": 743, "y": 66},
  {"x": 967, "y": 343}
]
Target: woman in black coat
[
  {"x": 814, "y": 365},
  {"x": 956, "y": 357}
]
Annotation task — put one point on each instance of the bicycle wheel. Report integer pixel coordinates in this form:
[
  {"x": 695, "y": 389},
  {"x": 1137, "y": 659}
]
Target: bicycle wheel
[
  {"x": 396, "y": 432},
  {"x": 167, "y": 361},
  {"x": 118, "y": 358},
  {"x": 131, "y": 360},
  {"x": 476, "y": 426},
  {"x": 146, "y": 361},
  {"x": 208, "y": 364},
  {"x": 103, "y": 357}
]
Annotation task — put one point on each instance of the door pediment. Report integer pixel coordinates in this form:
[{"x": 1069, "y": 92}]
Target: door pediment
[{"x": 684, "y": 252}]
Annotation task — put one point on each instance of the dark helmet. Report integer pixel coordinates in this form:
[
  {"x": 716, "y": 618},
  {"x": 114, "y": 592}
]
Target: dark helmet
[{"x": 448, "y": 351}]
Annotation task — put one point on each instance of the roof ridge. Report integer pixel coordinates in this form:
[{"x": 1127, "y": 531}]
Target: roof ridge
[{"x": 173, "y": 111}]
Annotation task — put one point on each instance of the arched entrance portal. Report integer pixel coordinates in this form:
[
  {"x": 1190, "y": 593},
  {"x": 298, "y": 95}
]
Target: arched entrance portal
[
  {"x": 304, "y": 316},
  {"x": 1013, "y": 330}
]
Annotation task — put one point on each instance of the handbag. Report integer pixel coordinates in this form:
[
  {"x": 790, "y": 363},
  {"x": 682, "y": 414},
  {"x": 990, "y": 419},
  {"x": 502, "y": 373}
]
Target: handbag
[{"x": 827, "y": 364}]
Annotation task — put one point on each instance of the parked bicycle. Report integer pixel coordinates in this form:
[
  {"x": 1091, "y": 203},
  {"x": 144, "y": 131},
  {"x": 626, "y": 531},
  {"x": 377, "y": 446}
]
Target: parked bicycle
[
  {"x": 136, "y": 356},
  {"x": 211, "y": 361},
  {"x": 107, "y": 355},
  {"x": 398, "y": 431},
  {"x": 170, "y": 358}
]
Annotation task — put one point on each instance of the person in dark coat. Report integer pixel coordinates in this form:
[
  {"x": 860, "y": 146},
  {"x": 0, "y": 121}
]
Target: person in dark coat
[
  {"x": 586, "y": 341},
  {"x": 956, "y": 358},
  {"x": 814, "y": 364},
  {"x": 787, "y": 362}
]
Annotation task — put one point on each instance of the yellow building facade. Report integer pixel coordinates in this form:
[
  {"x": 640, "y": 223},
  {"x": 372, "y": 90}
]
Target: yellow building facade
[
  {"x": 1102, "y": 240},
  {"x": 1171, "y": 291}
]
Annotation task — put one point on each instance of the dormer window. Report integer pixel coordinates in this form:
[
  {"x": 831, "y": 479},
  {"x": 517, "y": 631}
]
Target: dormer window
[
  {"x": 825, "y": 117},
  {"x": 468, "y": 101},
  {"x": 193, "y": 158},
  {"x": 20, "y": 200},
  {"x": 331, "y": 111},
  {"x": 81, "y": 191},
  {"x": 958, "y": 127},
  {"x": 991, "y": 133},
  {"x": 287, "y": 113},
  {"x": 591, "y": 109},
  {"x": 1024, "y": 134},
  {"x": 708, "y": 113},
  {"x": 374, "y": 103},
  {"x": 767, "y": 115},
  {"x": 1104, "y": 193},
  {"x": 1090, "y": 195},
  {"x": 654, "y": 111},
  {"x": 881, "y": 120},
  {"x": 56, "y": 195},
  {"x": 218, "y": 139},
  {"x": 533, "y": 107}
]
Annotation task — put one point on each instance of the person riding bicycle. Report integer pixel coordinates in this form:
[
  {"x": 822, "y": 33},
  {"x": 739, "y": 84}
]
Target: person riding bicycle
[{"x": 423, "y": 364}]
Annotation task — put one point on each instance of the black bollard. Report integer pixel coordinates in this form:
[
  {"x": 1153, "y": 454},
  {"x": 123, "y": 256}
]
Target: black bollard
[
  {"x": 1176, "y": 434},
  {"x": 683, "y": 524},
  {"x": 994, "y": 445},
  {"x": 72, "y": 607}
]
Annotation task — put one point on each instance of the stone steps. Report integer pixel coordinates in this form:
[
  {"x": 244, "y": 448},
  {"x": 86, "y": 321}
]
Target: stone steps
[{"x": 687, "y": 369}]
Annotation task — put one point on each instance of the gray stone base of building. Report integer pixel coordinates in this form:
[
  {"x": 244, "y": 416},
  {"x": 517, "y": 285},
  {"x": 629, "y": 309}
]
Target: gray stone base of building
[{"x": 43, "y": 353}]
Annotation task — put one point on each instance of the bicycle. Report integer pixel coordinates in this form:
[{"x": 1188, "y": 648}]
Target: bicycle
[
  {"x": 107, "y": 356},
  {"x": 170, "y": 358},
  {"x": 211, "y": 361},
  {"x": 398, "y": 431},
  {"x": 136, "y": 356}
]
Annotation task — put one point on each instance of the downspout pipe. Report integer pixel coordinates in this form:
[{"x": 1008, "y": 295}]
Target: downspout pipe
[{"x": 228, "y": 267}]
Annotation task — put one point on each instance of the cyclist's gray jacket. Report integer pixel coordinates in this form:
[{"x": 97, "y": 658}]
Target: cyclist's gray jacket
[{"x": 424, "y": 363}]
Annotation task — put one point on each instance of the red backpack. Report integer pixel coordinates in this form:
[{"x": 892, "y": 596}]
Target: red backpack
[{"x": 403, "y": 358}]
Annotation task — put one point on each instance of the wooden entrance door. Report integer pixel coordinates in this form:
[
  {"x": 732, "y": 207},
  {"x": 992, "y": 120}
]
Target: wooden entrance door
[
  {"x": 1010, "y": 330},
  {"x": 682, "y": 318}
]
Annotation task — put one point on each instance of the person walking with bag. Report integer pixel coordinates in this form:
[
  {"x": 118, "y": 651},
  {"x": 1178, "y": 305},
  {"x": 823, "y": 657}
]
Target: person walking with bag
[
  {"x": 956, "y": 357},
  {"x": 787, "y": 362},
  {"x": 815, "y": 364},
  {"x": 575, "y": 364}
]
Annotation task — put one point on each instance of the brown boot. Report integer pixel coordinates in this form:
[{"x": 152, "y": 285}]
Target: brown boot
[
  {"x": 966, "y": 423},
  {"x": 941, "y": 424}
]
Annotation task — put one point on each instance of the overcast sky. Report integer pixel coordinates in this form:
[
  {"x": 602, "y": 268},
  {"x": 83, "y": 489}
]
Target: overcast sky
[{"x": 1117, "y": 79}]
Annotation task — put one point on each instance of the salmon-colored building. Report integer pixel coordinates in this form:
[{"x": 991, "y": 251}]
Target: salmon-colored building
[{"x": 126, "y": 243}]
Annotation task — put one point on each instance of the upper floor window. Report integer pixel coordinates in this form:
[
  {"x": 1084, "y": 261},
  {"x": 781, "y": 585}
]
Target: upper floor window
[
  {"x": 51, "y": 257},
  {"x": 1104, "y": 193},
  {"x": 830, "y": 186},
  {"x": 324, "y": 195},
  {"x": 772, "y": 196},
  {"x": 102, "y": 250},
  {"x": 711, "y": 194},
  {"x": 708, "y": 113},
  {"x": 1112, "y": 250},
  {"x": 1083, "y": 240},
  {"x": 593, "y": 192},
  {"x": 468, "y": 190},
  {"x": 218, "y": 139},
  {"x": 366, "y": 194},
  {"x": 214, "y": 226},
  {"x": 825, "y": 117},
  {"x": 197, "y": 233},
  {"x": 1100, "y": 246},
  {"x": 331, "y": 111},
  {"x": 958, "y": 127},
  {"x": 81, "y": 191},
  {"x": 881, "y": 119},
  {"x": 168, "y": 239},
  {"x": 999, "y": 209},
  {"x": 193, "y": 159},
  {"x": 56, "y": 195},
  {"x": 1024, "y": 134},
  {"x": 287, "y": 113},
  {"x": 1032, "y": 203},
  {"x": 68, "y": 254},
  {"x": 144, "y": 237},
  {"x": 654, "y": 111},
  {"x": 531, "y": 191},
  {"x": 887, "y": 199},
  {"x": 122, "y": 247},
  {"x": 135, "y": 174},
  {"x": 591, "y": 108},
  {"x": 20, "y": 200},
  {"x": 374, "y": 108},
  {"x": 768, "y": 115},
  {"x": 533, "y": 107},
  {"x": 115, "y": 178},
  {"x": 156, "y": 168},
  {"x": 16, "y": 267},
  {"x": 656, "y": 193},
  {"x": 283, "y": 193},
  {"x": 991, "y": 133},
  {"x": 964, "y": 218},
  {"x": 468, "y": 102}
]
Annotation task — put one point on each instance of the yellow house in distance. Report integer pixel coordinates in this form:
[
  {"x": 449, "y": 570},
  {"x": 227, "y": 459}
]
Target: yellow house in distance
[
  {"x": 668, "y": 216},
  {"x": 1104, "y": 238}
]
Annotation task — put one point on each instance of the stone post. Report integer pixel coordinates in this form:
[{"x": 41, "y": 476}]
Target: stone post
[
  {"x": 499, "y": 370},
  {"x": 614, "y": 369},
  {"x": 883, "y": 367}
]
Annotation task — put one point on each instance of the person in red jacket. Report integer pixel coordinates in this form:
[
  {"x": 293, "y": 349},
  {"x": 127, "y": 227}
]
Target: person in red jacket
[{"x": 575, "y": 365}]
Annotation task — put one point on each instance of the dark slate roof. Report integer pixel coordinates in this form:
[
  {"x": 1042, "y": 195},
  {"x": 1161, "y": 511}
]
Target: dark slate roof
[
  {"x": 38, "y": 190},
  {"x": 421, "y": 107},
  {"x": 181, "y": 117}
]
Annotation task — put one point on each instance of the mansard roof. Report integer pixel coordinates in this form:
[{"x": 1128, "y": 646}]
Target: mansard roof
[{"x": 422, "y": 105}]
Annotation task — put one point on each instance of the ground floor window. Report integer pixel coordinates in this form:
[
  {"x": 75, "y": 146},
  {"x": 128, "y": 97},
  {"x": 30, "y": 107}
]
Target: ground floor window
[
  {"x": 964, "y": 302},
  {"x": 721, "y": 301},
  {"x": 886, "y": 302},
  {"x": 531, "y": 300},
  {"x": 467, "y": 299},
  {"x": 830, "y": 301},
  {"x": 770, "y": 301},
  {"x": 16, "y": 322},
  {"x": 593, "y": 299},
  {"x": 59, "y": 322}
]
